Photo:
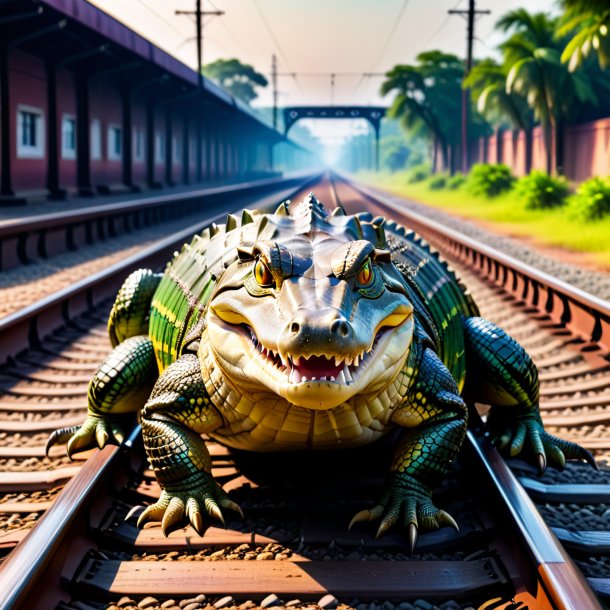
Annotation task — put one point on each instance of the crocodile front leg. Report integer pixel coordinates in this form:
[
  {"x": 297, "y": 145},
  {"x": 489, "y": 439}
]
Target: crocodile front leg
[
  {"x": 177, "y": 412},
  {"x": 120, "y": 386},
  {"x": 436, "y": 418},
  {"x": 502, "y": 374}
]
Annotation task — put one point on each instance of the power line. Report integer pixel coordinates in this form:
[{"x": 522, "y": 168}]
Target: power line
[
  {"x": 391, "y": 34},
  {"x": 470, "y": 15},
  {"x": 268, "y": 27},
  {"x": 161, "y": 17},
  {"x": 440, "y": 27},
  {"x": 199, "y": 14}
]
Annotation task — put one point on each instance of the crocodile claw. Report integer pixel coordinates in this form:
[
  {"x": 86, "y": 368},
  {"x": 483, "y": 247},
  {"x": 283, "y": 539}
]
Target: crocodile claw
[
  {"x": 95, "y": 432},
  {"x": 407, "y": 496},
  {"x": 528, "y": 431},
  {"x": 412, "y": 535},
  {"x": 176, "y": 505}
]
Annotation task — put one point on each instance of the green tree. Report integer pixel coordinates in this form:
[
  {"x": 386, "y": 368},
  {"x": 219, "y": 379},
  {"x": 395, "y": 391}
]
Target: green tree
[
  {"x": 587, "y": 23},
  {"x": 532, "y": 56},
  {"x": 428, "y": 101},
  {"x": 238, "y": 79},
  {"x": 487, "y": 84},
  {"x": 394, "y": 152}
]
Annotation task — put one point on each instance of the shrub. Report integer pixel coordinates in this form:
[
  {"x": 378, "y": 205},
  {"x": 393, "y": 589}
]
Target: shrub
[
  {"x": 456, "y": 181},
  {"x": 437, "y": 182},
  {"x": 489, "y": 179},
  {"x": 418, "y": 173},
  {"x": 592, "y": 199},
  {"x": 541, "y": 191}
]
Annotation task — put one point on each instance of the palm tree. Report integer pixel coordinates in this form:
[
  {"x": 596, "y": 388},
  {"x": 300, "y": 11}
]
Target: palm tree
[
  {"x": 487, "y": 84},
  {"x": 532, "y": 55},
  {"x": 428, "y": 99},
  {"x": 588, "y": 24}
]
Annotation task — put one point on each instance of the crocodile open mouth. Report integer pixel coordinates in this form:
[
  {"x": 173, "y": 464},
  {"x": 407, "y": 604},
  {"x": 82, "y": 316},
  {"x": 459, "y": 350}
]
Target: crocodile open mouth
[{"x": 317, "y": 368}]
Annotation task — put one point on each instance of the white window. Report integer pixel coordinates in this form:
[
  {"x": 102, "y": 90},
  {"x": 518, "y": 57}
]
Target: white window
[
  {"x": 115, "y": 143},
  {"x": 96, "y": 140},
  {"x": 138, "y": 144},
  {"x": 176, "y": 150},
  {"x": 30, "y": 132},
  {"x": 159, "y": 148},
  {"x": 68, "y": 137}
]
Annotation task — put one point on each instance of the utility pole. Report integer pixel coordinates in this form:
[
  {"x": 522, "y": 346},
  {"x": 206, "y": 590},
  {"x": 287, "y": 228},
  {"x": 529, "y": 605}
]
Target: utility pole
[
  {"x": 332, "y": 89},
  {"x": 470, "y": 15},
  {"x": 199, "y": 15},
  {"x": 274, "y": 85}
]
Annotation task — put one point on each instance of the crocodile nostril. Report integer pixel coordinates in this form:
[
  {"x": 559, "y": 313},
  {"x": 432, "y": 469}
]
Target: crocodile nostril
[
  {"x": 295, "y": 327},
  {"x": 340, "y": 328}
]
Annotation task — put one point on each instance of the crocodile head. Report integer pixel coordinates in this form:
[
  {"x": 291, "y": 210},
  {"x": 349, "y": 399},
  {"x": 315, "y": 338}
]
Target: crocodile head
[{"x": 313, "y": 310}]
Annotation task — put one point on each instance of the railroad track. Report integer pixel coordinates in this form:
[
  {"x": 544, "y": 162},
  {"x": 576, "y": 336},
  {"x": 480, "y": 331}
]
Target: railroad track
[
  {"x": 46, "y": 386},
  {"x": 293, "y": 548}
]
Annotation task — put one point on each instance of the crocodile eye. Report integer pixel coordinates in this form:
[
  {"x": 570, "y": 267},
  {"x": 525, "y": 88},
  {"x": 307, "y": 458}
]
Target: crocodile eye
[
  {"x": 262, "y": 274},
  {"x": 365, "y": 275}
]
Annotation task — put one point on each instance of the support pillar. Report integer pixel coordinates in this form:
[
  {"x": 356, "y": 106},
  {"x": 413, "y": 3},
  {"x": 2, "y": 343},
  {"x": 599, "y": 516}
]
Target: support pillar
[
  {"x": 169, "y": 147},
  {"x": 7, "y": 195},
  {"x": 83, "y": 157},
  {"x": 127, "y": 139},
  {"x": 150, "y": 145},
  {"x": 199, "y": 150},
  {"x": 52, "y": 144},
  {"x": 186, "y": 151}
]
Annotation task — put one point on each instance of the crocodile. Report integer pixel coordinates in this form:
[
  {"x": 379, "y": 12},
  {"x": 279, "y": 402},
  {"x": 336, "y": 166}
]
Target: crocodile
[{"x": 309, "y": 329}]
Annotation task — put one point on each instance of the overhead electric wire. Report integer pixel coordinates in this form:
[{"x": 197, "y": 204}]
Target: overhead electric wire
[
  {"x": 270, "y": 31},
  {"x": 440, "y": 27},
  {"x": 391, "y": 34},
  {"x": 159, "y": 16}
]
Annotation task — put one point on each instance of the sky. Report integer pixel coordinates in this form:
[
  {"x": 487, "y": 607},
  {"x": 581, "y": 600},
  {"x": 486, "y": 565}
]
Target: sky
[{"x": 358, "y": 40}]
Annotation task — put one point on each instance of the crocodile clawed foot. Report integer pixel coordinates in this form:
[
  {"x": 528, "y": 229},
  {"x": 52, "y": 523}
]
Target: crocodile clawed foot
[
  {"x": 176, "y": 505},
  {"x": 547, "y": 449},
  {"x": 407, "y": 496},
  {"x": 94, "y": 432}
]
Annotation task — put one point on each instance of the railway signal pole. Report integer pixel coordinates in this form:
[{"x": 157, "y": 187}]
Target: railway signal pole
[
  {"x": 199, "y": 15},
  {"x": 470, "y": 15}
]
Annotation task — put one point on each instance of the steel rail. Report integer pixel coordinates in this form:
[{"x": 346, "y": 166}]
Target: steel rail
[
  {"x": 586, "y": 315},
  {"x": 25, "y": 329},
  {"x": 564, "y": 583},
  {"x": 26, "y": 239},
  {"x": 27, "y": 562}
]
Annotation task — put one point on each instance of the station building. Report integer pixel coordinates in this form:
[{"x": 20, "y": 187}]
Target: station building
[{"x": 88, "y": 107}]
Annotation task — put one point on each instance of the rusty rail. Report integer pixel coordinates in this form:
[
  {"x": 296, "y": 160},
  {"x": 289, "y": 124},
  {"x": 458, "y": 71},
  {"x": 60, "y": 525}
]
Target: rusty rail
[
  {"x": 25, "y": 329},
  {"x": 25, "y": 240},
  {"x": 586, "y": 315}
]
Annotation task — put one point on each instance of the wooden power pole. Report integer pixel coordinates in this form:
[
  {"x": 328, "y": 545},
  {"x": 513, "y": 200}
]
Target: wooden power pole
[
  {"x": 199, "y": 14},
  {"x": 470, "y": 15}
]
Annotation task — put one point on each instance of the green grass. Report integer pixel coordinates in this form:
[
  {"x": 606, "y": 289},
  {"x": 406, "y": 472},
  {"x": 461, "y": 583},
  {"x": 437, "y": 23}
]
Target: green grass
[{"x": 508, "y": 215}]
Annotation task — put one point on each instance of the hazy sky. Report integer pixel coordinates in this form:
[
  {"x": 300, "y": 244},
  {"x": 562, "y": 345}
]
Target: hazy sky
[{"x": 317, "y": 36}]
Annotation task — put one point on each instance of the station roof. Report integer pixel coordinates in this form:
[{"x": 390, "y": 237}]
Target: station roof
[{"x": 89, "y": 16}]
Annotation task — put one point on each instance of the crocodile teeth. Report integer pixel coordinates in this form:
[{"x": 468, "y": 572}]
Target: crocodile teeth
[
  {"x": 356, "y": 360},
  {"x": 332, "y": 378},
  {"x": 295, "y": 376},
  {"x": 338, "y": 361},
  {"x": 296, "y": 361},
  {"x": 283, "y": 359},
  {"x": 341, "y": 378},
  {"x": 348, "y": 375}
]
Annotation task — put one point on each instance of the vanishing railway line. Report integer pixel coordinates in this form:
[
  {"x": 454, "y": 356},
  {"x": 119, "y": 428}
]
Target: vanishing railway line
[{"x": 293, "y": 547}]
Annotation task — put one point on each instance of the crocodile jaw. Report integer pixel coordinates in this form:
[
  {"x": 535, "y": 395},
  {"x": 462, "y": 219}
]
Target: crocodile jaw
[{"x": 253, "y": 368}]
